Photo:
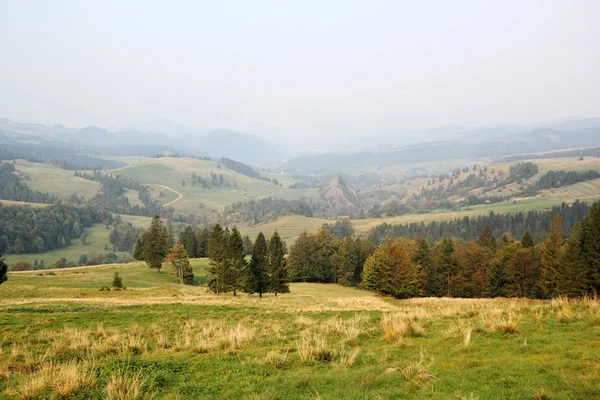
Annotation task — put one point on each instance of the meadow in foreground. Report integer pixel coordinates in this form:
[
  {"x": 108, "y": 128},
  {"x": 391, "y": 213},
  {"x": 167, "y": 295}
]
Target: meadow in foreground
[{"x": 63, "y": 338}]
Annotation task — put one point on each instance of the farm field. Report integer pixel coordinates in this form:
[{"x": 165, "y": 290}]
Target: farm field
[{"x": 63, "y": 337}]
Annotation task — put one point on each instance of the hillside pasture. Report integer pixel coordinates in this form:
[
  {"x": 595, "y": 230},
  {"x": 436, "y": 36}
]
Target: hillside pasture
[{"x": 63, "y": 337}]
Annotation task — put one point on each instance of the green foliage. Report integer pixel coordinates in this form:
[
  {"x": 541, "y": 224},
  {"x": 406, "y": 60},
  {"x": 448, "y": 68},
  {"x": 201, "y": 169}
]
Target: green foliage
[
  {"x": 235, "y": 262},
  {"x": 117, "y": 282},
  {"x": 278, "y": 271},
  {"x": 155, "y": 247},
  {"x": 217, "y": 252},
  {"x": 187, "y": 237},
  {"x": 257, "y": 277},
  {"x": 180, "y": 262},
  {"x": 590, "y": 248},
  {"x": 3, "y": 270}
]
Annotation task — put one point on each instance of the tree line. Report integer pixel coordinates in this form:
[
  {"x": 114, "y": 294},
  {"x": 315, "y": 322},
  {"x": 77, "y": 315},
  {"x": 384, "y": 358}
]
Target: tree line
[
  {"x": 11, "y": 187},
  {"x": 558, "y": 265},
  {"x": 229, "y": 270},
  {"x": 468, "y": 228}
]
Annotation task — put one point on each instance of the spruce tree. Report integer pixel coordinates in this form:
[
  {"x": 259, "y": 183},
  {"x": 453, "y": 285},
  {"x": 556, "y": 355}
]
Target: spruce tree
[
  {"x": 117, "y": 282},
  {"x": 277, "y": 266},
  {"x": 187, "y": 238},
  {"x": 527, "y": 240},
  {"x": 180, "y": 262},
  {"x": 552, "y": 248},
  {"x": 590, "y": 248},
  {"x": 140, "y": 245},
  {"x": 257, "y": 278},
  {"x": 572, "y": 273},
  {"x": 3, "y": 270},
  {"x": 217, "y": 252},
  {"x": 155, "y": 248},
  {"x": 236, "y": 261},
  {"x": 422, "y": 257},
  {"x": 487, "y": 239}
]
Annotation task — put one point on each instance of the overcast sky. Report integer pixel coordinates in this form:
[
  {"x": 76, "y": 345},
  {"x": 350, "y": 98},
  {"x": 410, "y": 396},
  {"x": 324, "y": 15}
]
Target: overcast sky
[{"x": 311, "y": 69}]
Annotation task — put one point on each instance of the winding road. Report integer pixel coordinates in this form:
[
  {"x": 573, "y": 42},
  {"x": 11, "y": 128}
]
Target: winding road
[{"x": 174, "y": 191}]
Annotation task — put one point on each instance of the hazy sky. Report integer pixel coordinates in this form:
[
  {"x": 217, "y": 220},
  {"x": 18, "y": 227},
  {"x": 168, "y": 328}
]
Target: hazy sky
[{"x": 303, "y": 69}]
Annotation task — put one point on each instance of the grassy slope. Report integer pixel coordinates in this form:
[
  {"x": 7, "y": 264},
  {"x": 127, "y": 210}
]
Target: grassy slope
[
  {"x": 48, "y": 178},
  {"x": 187, "y": 343},
  {"x": 171, "y": 171}
]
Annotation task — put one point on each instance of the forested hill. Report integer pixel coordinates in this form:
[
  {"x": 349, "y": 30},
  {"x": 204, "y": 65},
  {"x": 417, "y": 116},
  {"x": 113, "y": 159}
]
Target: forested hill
[
  {"x": 26, "y": 229},
  {"x": 537, "y": 222}
]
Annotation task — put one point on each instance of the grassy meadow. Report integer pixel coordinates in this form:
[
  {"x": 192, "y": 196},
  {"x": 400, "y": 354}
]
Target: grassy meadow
[{"x": 61, "y": 337}]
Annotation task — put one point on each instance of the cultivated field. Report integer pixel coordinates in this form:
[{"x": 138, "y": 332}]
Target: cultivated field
[{"x": 64, "y": 338}]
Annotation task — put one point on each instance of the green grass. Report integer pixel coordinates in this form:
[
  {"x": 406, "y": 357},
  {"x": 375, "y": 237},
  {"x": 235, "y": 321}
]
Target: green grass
[
  {"x": 536, "y": 203},
  {"x": 196, "y": 200},
  {"x": 48, "y": 178},
  {"x": 187, "y": 343}
]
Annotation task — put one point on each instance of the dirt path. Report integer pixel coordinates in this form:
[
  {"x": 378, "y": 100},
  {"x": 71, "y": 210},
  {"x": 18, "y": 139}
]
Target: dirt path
[{"x": 174, "y": 191}]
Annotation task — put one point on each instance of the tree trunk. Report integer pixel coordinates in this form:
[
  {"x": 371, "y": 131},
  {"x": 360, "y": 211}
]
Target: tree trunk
[{"x": 234, "y": 294}]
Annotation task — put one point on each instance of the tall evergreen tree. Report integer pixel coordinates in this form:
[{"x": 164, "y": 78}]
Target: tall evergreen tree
[
  {"x": 423, "y": 258},
  {"x": 487, "y": 239},
  {"x": 155, "y": 248},
  {"x": 590, "y": 248},
  {"x": 236, "y": 261},
  {"x": 527, "y": 240},
  {"x": 572, "y": 273},
  {"x": 278, "y": 271},
  {"x": 217, "y": 252},
  {"x": 202, "y": 236},
  {"x": 552, "y": 248},
  {"x": 257, "y": 278},
  {"x": 447, "y": 267},
  {"x": 178, "y": 258},
  {"x": 140, "y": 246},
  {"x": 248, "y": 245},
  {"x": 3, "y": 270},
  {"x": 187, "y": 238}
]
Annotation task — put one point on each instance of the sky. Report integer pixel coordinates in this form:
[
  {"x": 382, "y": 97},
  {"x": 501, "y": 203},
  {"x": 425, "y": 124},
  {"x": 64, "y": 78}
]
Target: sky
[{"x": 299, "y": 70}]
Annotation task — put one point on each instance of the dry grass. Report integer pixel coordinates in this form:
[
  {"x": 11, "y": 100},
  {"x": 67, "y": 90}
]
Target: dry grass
[
  {"x": 396, "y": 327},
  {"x": 347, "y": 357},
  {"x": 500, "y": 322},
  {"x": 467, "y": 337},
  {"x": 314, "y": 347},
  {"x": 277, "y": 359},
  {"x": 418, "y": 372},
  {"x": 122, "y": 387}
]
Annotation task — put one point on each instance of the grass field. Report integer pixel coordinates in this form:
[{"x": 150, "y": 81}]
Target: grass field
[
  {"x": 64, "y": 338},
  {"x": 170, "y": 172},
  {"x": 48, "y": 178}
]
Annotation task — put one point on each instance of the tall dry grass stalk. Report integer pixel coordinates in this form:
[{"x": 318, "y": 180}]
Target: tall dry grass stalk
[
  {"x": 123, "y": 387},
  {"x": 396, "y": 327}
]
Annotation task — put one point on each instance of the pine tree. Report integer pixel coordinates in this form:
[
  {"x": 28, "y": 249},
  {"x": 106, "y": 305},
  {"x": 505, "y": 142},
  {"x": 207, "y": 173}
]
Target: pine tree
[
  {"x": 117, "y": 282},
  {"x": 527, "y": 240},
  {"x": 187, "y": 238},
  {"x": 590, "y": 248},
  {"x": 236, "y": 262},
  {"x": 180, "y": 262},
  {"x": 552, "y": 248},
  {"x": 447, "y": 267},
  {"x": 257, "y": 278},
  {"x": 572, "y": 273},
  {"x": 202, "y": 236},
  {"x": 3, "y": 270},
  {"x": 377, "y": 273},
  {"x": 422, "y": 257},
  {"x": 217, "y": 251},
  {"x": 155, "y": 248},
  {"x": 277, "y": 266},
  {"x": 248, "y": 245},
  {"x": 487, "y": 239},
  {"x": 140, "y": 246},
  {"x": 346, "y": 260}
]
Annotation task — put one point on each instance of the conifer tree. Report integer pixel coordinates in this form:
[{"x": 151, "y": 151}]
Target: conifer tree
[
  {"x": 590, "y": 248},
  {"x": 447, "y": 267},
  {"x": 217, "y": 252},
  {"x": 3, "y": 270},
  {"x": 140, "y": 245},
  {"x": 155, "y": 248},
  {"x": 571, "y": 273},
  {"x": 236, "y": 262},
  {"x": 551, "y": 255},
  {"x": 180, "y": 262},
  {"x": 202, "y": 236},
  {"x": 257, "y": 278},
  {"x": 187, "y": 238},
  {"x": 487, "y": 239},
  {"x": 423, "y": 258},
  {"x": 527, "y": 240},
  {"x": 117, "y": 282},
  {"x": 278, "y": 271},
  {"x": 346, "y": 260}
]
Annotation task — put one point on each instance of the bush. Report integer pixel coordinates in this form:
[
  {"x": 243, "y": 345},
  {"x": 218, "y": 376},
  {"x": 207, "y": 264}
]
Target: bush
[
  {"x": 117, "y": 282},
  {"x": 21, "y": 266}
]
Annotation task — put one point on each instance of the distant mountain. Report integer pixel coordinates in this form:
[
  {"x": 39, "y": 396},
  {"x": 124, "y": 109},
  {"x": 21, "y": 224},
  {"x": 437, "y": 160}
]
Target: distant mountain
[{"x": 250, "y": 149}]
